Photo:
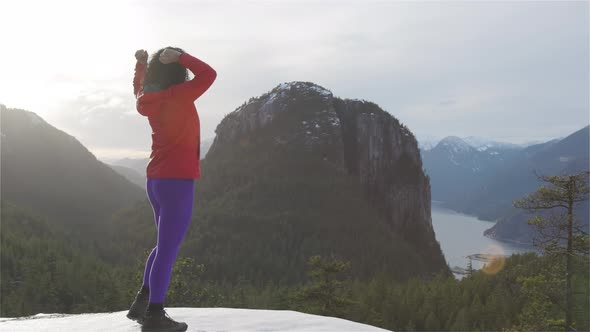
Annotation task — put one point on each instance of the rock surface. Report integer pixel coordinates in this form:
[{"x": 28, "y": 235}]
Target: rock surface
[{"x": 357, "y": 137}]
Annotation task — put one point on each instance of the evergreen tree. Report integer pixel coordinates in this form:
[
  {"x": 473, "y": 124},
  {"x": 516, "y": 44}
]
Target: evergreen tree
[
  {"x": 432, "y": 323},
  {"x": 410, "y": 326},
  {"x": 462, "y": 322},
  {"x": 469, "y": 267},
  {"x": 536, "y": 314},
  {"x": 185, "y": 285},
  {"x": 560, "y": 235},
  {"x": 323, "y": 294}
]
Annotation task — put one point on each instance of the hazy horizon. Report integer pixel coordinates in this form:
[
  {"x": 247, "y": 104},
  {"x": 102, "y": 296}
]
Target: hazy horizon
[{"x": 510, "y": 71}]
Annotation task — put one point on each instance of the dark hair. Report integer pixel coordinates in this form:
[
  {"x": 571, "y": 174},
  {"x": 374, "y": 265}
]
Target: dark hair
[{"x": 161, "y": 76}]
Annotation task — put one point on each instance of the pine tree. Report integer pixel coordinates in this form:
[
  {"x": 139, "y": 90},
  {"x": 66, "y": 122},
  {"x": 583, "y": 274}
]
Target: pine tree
[
  {"x": 539, "y": 291},
  {"x": 432, "y": 323},
  {"x": 469, "y": 267},
  {"x": 323, "y": 295},
  {"x": 462, "y": 322},
  {"x": 564, "y": 193},
  {"x": 410, "y": 326}
]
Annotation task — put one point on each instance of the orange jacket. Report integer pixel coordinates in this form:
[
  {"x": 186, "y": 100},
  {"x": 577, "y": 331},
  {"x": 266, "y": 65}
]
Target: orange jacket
[{"x": 176, "y": 134}]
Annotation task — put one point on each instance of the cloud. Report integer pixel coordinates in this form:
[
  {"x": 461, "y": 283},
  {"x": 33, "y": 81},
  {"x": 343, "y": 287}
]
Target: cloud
[
  {"x": 447, "y": 102},
  {"x": 105, "y": 120},
  {"x": 443, "y": 68}
]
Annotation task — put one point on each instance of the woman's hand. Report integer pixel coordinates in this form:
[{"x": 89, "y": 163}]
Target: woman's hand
[
  {"x": 169, "y": 55},
  {"x": 141, "y": 56}
]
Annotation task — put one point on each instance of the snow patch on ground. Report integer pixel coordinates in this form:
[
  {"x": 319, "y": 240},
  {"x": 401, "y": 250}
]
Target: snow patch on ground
[{"x": 198, "y": 319}]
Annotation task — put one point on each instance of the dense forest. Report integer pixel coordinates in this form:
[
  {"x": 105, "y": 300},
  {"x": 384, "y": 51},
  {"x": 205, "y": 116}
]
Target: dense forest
[{"x": 43, "y": 272}]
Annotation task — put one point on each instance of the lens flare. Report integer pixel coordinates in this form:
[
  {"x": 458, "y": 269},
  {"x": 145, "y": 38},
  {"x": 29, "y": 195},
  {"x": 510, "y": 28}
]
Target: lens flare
[{"x": 496, "y": 259}]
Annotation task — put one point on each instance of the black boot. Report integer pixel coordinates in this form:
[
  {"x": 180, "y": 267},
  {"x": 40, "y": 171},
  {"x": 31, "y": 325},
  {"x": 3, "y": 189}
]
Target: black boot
[
  {"x": 139, "y": 306},
  {"x": 156, "y": 319}
]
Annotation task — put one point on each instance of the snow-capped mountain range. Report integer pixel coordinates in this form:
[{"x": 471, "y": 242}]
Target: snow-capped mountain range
[
  {"x": 479, "y": 143},
  {"x": 481, "y": 177}
]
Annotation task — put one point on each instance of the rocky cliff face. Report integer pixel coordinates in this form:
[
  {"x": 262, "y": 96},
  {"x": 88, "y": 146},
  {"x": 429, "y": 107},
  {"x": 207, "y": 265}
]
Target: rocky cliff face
[
  {"x": 384, "y": 155},
  {"x": 356, "y": 137}
]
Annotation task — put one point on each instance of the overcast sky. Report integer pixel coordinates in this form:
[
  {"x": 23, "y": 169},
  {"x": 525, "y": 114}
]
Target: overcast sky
[{"x": 511, "y": 71}]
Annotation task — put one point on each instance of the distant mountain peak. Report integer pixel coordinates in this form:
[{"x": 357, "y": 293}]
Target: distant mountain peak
[
  {"x": 456, "y": 144},
  {"x": 484, "y": 144}
]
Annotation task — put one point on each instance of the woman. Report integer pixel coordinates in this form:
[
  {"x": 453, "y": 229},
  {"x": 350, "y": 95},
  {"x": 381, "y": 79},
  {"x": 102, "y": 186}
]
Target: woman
[{"x": 166, "y": 97}]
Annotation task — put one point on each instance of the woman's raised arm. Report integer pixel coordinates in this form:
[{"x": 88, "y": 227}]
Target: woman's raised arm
[
  {"x": 204, "y": 74},
  {"x": 204, "y": 77},
  {"x": 141, "y": 56}
]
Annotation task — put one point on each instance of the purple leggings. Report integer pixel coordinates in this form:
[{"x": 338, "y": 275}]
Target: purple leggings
[{"x": 172, "y": 202}]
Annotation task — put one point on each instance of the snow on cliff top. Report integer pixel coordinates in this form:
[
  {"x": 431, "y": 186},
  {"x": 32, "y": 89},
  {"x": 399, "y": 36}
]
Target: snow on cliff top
[
  {"x": 283, "y": 90},
  {"x": 198, "y": 320},
  {"x": 303, "y": 85}
]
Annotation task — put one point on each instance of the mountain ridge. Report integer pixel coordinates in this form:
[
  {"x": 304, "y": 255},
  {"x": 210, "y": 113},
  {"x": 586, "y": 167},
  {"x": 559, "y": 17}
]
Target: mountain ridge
[
  {"x": 50, "y": 172},
  {"x": 505, "y": 172}
]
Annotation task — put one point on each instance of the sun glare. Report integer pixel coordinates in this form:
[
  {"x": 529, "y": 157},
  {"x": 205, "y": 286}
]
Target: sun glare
[
  {"x": 497, "y": 259},
  {"x": 56, "y": 48}
]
